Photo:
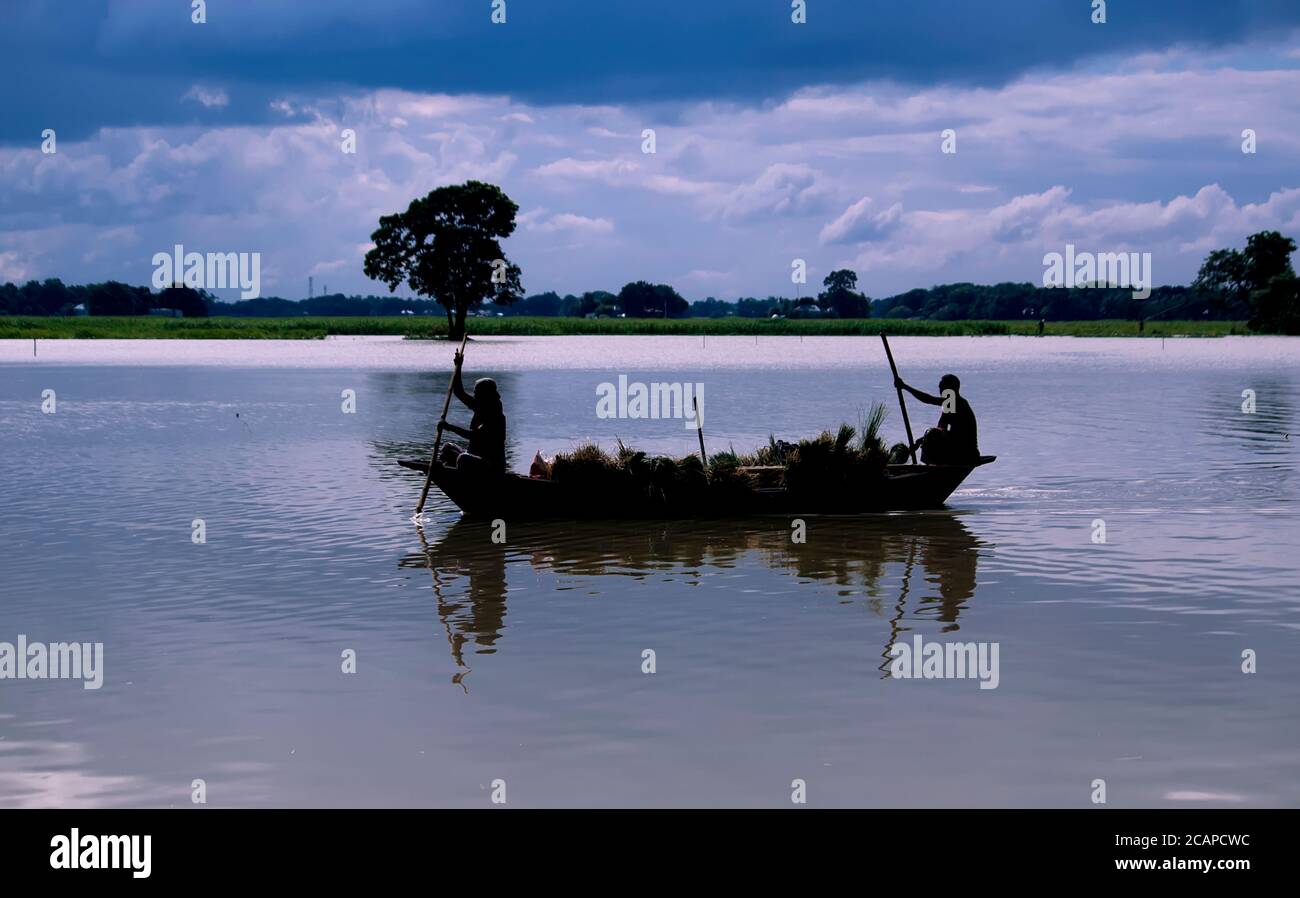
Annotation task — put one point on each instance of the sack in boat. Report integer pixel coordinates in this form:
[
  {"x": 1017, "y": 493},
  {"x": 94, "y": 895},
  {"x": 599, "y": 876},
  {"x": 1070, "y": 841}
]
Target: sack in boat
[{"x": 540, "y": 468}]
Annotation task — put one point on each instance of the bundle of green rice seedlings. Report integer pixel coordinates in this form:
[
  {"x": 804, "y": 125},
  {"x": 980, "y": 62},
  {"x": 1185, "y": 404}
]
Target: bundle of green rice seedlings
[
  {"x": 725, "y": 476},
  {"x": 585, "y": 464},
  {"x": 690, "y": 474},
  {"x": 812, "y": 466},
  {"x": 776, "y": 452},
  {"x": 875, "y": 454},
  {"x": 826, "y": 463},
  {"x": 833, "y": 462},
  {"x": 728, "y": 459},
  {"x": 869, "y": 428},
  {"x": 626, "y": 455},
  {"x": 634, "y": 466},
  {"x": 663, "y": 473},
  {"x": 679, "y": 482}
]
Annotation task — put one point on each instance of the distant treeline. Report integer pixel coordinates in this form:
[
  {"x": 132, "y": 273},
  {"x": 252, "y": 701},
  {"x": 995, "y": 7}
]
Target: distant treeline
[
  {"x": 947, "y": 302},
  {"x": 1256, "y": 283},
  {"x": 53, "y": 297}
]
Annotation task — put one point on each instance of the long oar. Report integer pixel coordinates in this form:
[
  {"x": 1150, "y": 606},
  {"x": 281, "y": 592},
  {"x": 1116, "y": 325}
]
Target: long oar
[
  {"x": 437, "y": 443},
  {"x": 901, "y": 404}
]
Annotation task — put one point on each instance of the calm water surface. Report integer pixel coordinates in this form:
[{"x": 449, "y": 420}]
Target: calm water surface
[{"x": 522, "y": 661}]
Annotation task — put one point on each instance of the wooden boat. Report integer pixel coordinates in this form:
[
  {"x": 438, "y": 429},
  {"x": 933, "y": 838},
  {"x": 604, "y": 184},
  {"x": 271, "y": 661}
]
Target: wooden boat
[{"x": 513, "y": 497}]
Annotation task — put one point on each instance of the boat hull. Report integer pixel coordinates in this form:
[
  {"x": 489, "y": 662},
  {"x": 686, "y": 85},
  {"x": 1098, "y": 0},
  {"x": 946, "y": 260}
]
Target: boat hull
[{"x": 514, "y": 497}]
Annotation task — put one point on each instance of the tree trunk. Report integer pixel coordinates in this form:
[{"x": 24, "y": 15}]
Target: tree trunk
[
  {"x": 452, "y": 333},
  {"x": 458, "y": 329}
]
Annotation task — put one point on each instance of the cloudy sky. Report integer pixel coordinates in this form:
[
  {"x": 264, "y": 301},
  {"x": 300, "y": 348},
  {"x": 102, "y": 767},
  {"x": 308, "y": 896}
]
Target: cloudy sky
[{"x": 774, "y": 140}]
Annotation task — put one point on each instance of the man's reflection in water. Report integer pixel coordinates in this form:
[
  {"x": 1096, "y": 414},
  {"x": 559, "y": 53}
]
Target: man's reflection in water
[
  {"x": 937, "y": 553},
  {"x": 925, "y": 562},
  {"x": 949, "y": 563}
]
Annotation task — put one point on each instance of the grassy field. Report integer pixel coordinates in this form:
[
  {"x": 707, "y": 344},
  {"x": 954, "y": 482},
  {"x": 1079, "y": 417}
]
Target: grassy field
[{"x": 145, "y": 328}]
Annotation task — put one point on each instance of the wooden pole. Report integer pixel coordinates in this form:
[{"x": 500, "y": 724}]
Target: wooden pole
[
  {"x": 437, "y": 443},
  {"x": 901, "y": 404},
  {"x": 699, "y": 431}
]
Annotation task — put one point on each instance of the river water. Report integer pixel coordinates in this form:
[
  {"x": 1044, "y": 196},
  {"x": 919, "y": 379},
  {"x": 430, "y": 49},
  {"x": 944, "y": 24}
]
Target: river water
[{"x": 480, "y": 664}]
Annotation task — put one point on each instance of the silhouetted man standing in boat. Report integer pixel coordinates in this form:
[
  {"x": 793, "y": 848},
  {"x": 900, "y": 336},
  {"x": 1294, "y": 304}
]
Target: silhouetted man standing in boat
[
  {"x": 954, "y": 440},
  {"x": 487, "y": 429}
]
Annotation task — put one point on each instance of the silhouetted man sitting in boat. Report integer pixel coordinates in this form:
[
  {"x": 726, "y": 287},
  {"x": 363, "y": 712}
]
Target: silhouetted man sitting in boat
[
  {"x": 487, "y": 429},
  {"x": 953, "y": 441}
]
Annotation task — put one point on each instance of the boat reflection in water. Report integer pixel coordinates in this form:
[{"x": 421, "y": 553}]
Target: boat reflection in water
[{"x": 917, "y": 566}]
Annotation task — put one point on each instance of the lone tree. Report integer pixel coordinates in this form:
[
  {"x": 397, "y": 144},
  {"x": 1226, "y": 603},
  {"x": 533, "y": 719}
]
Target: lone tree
[
  {"x": 445, "y": 246},
  {"x": 641, "y": 299},
  {"x": 841, "y": 295}
]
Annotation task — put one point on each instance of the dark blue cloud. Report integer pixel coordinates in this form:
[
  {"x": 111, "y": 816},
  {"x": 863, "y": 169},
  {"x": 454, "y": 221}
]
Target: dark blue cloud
[{"x": 81, "y": 66}]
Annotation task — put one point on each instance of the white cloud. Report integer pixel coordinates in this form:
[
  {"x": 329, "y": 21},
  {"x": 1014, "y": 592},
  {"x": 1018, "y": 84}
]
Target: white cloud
[
  {"x": 569, "y": 173},
  {"x": 210, "y": 98},
  {"x": 330, "y": 267},
  {"x": 783, "y": 189},
  {"x": 609, "y": 171},
  {"x": 574, "y": 224},
  {"x": 1024, "y": 216},
  {"x": 431, "y": 106},
  {"x": 859, "y": 223},
  {"x": 1007, "y": 241},
  {"x": 706, "y": 276}
]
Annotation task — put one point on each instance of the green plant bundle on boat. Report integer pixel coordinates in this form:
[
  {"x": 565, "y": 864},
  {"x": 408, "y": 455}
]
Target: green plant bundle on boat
[{"x": 852, "y": 460}]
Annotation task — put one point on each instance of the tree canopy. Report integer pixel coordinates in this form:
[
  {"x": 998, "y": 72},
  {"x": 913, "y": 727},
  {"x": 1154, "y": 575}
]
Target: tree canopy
[
  {"x": 841, "y": 295},
  {"x": 641, "y": 299},
  {"x": 446, "y": 246},
  {"x": 1259, "y": 277}
]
